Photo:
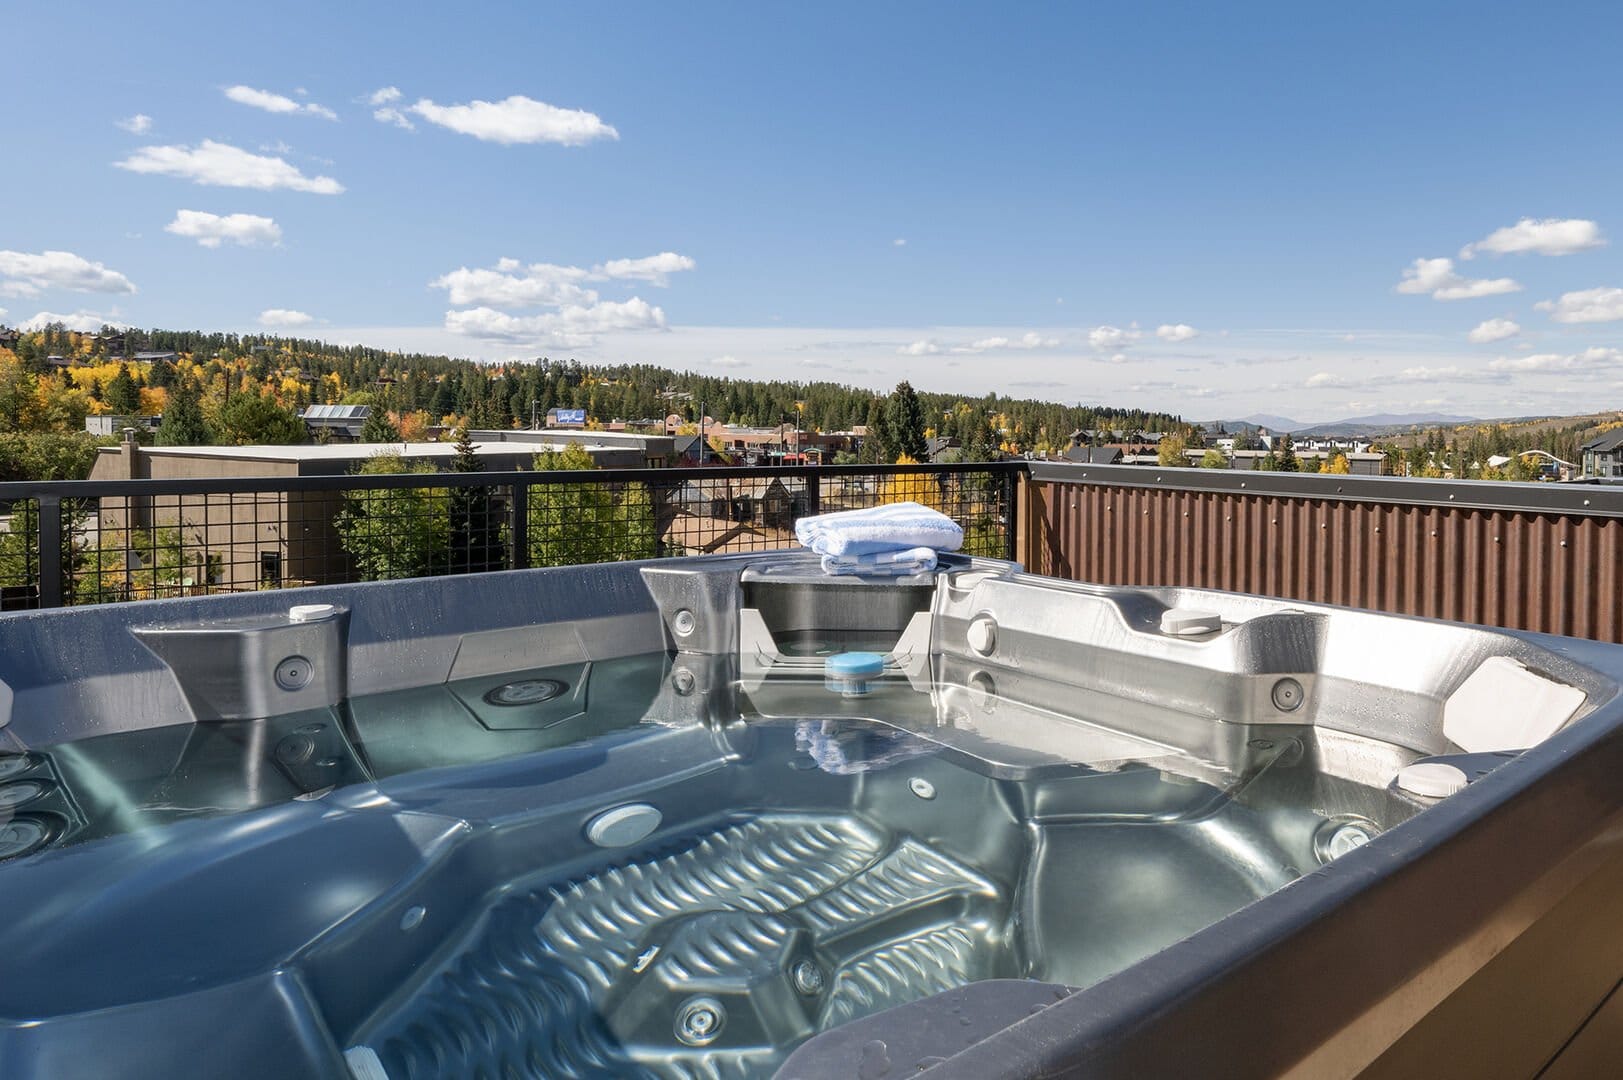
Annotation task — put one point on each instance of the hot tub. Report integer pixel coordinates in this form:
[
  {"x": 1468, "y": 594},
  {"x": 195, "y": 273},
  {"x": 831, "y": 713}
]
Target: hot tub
[{"x": 644, "y": 820}]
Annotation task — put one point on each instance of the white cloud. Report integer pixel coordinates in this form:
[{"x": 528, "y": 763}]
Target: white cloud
[
  {"x": 579, "y": 314},
  {"x": 654, "y": 269},
  {"x": 1451, "y": 373},
  {"x": 517, "y": 119},
  {"x": 1029, "y": 340},
  {"x": 1179, "y": 332},
  {"x": 212, "y": 230},
  {"x": 1472, "y": 288},
  {"x": 1437, "y": 277},
  {"x": 284, "y": 317},
  {"x": 1325, "y": 380},
  {"x": 728, "y": 361},
  {"x": 1546, "y": 236},
  {"x": 573, "y": 325},
  {"x": 26, "y": 274},
  {"x": 1594, "y": 359},
  {"x": 276, "y": 103},
  {"x": 1585, "y": 306},
  {"x": 512, "y": 284},
  {"x": 1493, "y": 330},
  {"x": 139, "y": 124},
  {"x": 385, "y": 109},
  {"x": 900, "y": 241},
  {"x": 226, "y": 166},
  {"x": 388, "y": 114},
  {"x": 1119, "y": 358},
  {"x": 1105, "y": 338},
  {"x": 85, "y": 322}
]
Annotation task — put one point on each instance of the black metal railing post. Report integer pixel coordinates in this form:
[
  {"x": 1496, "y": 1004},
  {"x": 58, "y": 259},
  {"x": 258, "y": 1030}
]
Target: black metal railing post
[
  {"x": 518, "y": 541},
  {"x": 814, "y": 494},
  {"x": 50, "y": 551},
  {"x": 1011, "y": 510}
]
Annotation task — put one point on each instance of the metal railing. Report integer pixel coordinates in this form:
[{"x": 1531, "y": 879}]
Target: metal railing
[
  {"x": 1543, "y": 557},
  {"x": 78, "y": 542}
]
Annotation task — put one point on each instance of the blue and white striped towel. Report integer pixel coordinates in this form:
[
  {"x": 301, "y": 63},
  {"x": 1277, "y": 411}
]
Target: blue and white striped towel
[
  {"x": 892, "y": 527},
  {"x": 888, "y": 563}
]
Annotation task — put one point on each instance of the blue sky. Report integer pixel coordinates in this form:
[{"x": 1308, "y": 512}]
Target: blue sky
[{"x": 1204, "y": 208}]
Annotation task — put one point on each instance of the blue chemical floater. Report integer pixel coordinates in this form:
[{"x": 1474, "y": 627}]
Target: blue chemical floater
[{"x": 849, "y": 673}]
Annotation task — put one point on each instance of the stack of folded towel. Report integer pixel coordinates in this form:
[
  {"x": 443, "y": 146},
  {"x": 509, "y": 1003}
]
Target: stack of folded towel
[{"x": 893, "y": 540}]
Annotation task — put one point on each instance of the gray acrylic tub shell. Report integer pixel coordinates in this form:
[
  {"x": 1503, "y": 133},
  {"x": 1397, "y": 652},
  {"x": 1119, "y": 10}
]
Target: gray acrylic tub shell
[{"x": 150, "y": 950}]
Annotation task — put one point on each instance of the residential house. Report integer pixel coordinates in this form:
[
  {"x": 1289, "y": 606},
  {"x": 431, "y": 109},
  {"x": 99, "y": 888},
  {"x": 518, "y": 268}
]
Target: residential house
[{"x": 1603, "y": 456}]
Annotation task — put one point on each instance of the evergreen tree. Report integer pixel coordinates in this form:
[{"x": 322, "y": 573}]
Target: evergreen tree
[
  {"x": 254, "y": 420},
  {"x": 379, "y": 428},
  {"x": 183, "y": 422},
  {"x": 1287, "y": 454},
  {"x": 161, "y": 374},
  {"x": 874, "y": 445},
  {"x": 476, "y": 525},
  {"x": 122, "y": 394},
  {"x": 904, "y": 424}
]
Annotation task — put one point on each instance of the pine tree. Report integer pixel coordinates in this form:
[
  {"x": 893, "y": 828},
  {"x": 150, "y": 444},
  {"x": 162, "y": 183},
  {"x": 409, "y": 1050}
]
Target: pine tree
[
  {"x": 378, "y": 428},
  {"x": 183, "y": 422},
  {"x": 904, "y": 424},
  {"x": 122, "y": 394},
  {"x": 1287, "y": 454},
  {"x": 476, "y": 519}
]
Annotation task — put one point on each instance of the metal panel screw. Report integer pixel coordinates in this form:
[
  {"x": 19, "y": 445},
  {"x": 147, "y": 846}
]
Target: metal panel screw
[
  {"x": 921, "y": 787},
  {"x": 808, "y": 978},
  {"x": 682, "y": 681}
]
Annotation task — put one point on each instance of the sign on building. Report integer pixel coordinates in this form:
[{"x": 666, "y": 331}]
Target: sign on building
[{"x": 566, "y": 417}]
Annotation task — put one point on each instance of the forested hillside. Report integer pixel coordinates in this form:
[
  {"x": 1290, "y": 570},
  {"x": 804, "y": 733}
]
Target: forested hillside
[{"x": 231, "y": 389}]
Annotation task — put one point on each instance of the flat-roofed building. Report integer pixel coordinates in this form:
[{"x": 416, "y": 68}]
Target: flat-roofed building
[
  {"x": 243, "y": 540},
  {"x": 652, "y": 451}
]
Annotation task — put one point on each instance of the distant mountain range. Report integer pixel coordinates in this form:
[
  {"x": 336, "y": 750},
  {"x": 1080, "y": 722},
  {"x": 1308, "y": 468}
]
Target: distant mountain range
[{"x": 1378, "y": 424}]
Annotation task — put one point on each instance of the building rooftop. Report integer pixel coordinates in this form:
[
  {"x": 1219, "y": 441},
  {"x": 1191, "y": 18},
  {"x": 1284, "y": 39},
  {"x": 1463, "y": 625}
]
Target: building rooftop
[
  {"x": 337, "y": 412},
  {"x": 1607, "y": 442},
  {"x": 345, "y": 451}
]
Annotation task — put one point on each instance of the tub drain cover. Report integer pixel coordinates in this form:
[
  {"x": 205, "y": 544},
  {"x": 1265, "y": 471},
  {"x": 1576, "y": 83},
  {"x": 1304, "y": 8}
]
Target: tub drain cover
[{"x": 526, "y": 692}]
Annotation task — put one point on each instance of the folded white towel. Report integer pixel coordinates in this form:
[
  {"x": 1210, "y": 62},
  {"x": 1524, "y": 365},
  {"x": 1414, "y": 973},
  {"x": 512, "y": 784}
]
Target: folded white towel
[
  {"x": 892, "y": 563},
  {"x": 892, "y": 527}
]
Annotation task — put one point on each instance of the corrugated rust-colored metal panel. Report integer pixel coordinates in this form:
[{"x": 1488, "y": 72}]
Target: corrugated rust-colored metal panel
[{"x": 1550, "y": 572}]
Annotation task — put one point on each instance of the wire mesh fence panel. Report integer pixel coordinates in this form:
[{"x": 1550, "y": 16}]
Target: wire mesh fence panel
[
  {"x": 572, "y": 522},
  {"x": 138, "y": 540},
  {"x": 725, "y": 514},
  {"x": 19, "y": 555}
]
